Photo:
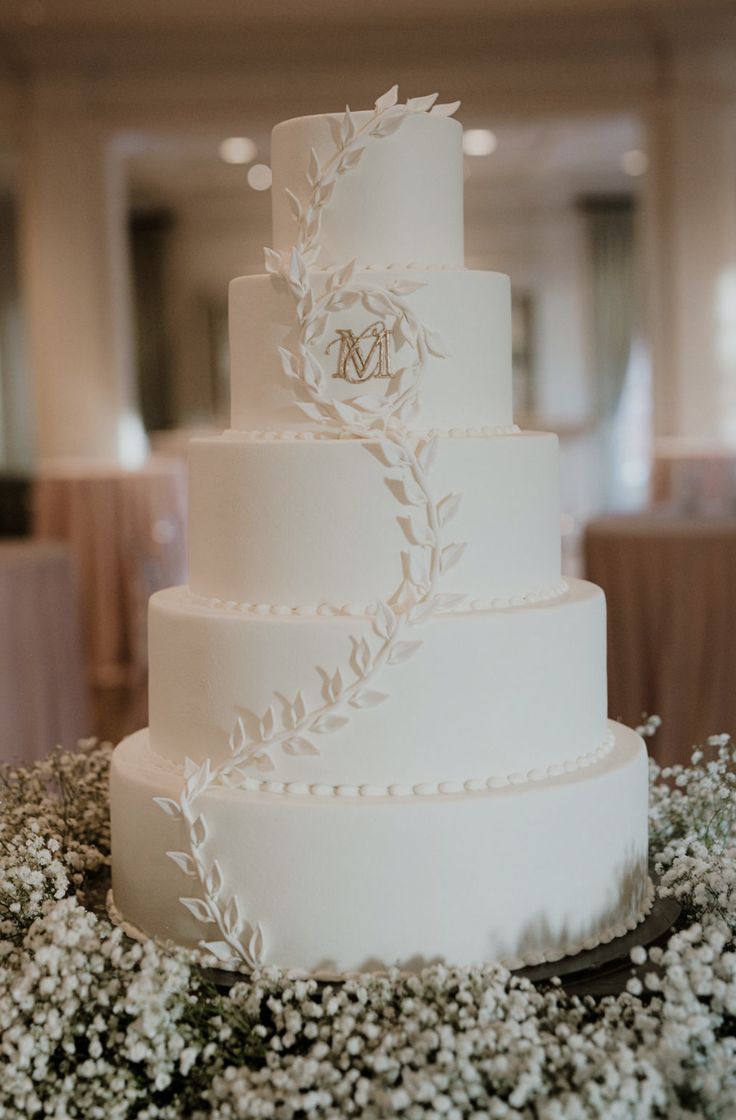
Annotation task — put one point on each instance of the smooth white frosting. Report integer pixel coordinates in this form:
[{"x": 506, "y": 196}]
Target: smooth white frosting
[
  {"x": 309, "y": 523},
  {"x": 468, "y": 389},
  {"x": 521, "y": 874},
  {"x": 404, "y": 202},
  {"x": 497, "y": 692},
  {"x": 378, "y": 717}
]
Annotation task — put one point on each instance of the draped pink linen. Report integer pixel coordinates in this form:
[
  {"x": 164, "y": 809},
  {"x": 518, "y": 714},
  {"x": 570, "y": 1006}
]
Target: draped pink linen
[
  {"x": 42, "y": 691},
  {"x": 127, "y": 530},
  {"x": 670, "y": 585}
]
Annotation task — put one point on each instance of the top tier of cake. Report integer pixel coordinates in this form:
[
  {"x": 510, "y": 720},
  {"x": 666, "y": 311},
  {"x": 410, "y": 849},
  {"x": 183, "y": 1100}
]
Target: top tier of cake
[{"x": 403, "y": 205}]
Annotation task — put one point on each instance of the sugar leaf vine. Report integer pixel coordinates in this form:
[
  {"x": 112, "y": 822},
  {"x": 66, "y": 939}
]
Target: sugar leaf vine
[{"x": 291, "y": 726}]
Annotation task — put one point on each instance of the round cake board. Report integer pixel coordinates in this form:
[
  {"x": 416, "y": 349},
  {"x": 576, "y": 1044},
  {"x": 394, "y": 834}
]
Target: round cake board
[{"x": 597, "y": 972}]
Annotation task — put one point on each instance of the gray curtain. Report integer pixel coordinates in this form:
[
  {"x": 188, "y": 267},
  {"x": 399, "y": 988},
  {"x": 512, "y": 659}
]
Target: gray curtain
[
  {"x": 16, "y": 450},
  {"x": 611, "y": 237},
  {"x": 149, "y": 237}
]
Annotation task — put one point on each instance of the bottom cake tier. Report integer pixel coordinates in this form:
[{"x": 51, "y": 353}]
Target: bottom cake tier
[{"x": 521, "y": 874}]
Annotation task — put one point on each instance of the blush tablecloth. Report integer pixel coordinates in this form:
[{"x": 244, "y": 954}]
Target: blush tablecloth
[
  {"x": 42, "y": 691},
  {"x": 694, "y": 481},
  {"x": 670, "y": 585},
  {"x": 127, "y": 530}
]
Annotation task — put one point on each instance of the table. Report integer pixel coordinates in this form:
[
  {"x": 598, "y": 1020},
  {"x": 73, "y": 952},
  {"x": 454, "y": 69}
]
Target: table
[
  {"x": 42, "y": 692},
  {"x": 694, "y": 478},
  {"x": 670, "y": 583},
  {"x": 127, "y": 530}
]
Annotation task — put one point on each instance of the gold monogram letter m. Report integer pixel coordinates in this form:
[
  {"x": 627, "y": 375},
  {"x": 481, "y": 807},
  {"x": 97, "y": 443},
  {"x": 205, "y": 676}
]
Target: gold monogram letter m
[{"x": 355, "y": 365}]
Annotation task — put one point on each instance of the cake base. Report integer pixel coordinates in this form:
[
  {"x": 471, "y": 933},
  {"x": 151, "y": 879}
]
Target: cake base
[{"x": 522, "y": 874}]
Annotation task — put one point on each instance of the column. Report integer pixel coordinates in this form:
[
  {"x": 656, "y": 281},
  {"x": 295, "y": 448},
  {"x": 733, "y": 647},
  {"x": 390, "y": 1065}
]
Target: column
[
  {"x": 690, "y": 231},
  {"x": 75, "y": 273}
]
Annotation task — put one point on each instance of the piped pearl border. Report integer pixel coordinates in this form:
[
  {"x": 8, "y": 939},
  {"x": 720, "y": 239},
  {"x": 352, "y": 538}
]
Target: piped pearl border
[
  {"x": 367, "y": 610},
  {"x": 420, "y": 789},
  {"x": 527, "y": 960},
  {"x": 288, "y": 434}
]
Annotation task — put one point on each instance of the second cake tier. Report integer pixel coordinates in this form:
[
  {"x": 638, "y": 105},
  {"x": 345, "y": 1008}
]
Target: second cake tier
[{"x": 462, "y": 700}]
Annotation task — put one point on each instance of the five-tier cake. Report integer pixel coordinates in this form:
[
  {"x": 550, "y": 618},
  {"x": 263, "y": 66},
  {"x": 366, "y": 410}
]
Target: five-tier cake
[{"x": 378, "y": 727}]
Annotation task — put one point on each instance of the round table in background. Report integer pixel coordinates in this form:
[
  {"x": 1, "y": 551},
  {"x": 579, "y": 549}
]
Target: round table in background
[
  {"x": 670, "y": 585},
  {"x": 42, "y": 688},
  {"x": 127, "y": 531}
]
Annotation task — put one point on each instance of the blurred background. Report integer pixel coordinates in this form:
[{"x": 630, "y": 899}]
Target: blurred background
[{"x": 134, "y": 184}]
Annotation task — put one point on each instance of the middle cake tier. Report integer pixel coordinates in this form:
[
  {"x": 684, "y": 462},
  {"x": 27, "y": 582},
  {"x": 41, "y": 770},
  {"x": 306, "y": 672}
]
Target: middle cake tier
[
  {"x": 501, "y": 696},
  {"x": 301, "y": 524}
]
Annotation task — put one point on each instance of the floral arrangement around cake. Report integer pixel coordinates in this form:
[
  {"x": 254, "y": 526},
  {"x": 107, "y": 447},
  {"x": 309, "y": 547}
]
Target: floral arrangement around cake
[{"x": 94, "y": 1025}]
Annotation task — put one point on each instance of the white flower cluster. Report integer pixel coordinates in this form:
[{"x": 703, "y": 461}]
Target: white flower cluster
[
  {"x": 92, "y": 1025},
  {"x": 31, "y": 876}
]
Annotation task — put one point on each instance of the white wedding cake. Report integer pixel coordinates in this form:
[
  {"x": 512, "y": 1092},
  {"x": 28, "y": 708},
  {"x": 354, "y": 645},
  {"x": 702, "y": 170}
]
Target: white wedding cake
[{"x": 378, "y": 726}]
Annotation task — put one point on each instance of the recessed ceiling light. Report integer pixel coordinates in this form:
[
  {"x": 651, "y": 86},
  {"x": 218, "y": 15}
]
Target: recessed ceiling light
[
  {"x": 479, "y": 142},
  {"x": 238, "y": 149},
  {"x": 259, "y": 177},
  {"x": 634, "y": 162}
]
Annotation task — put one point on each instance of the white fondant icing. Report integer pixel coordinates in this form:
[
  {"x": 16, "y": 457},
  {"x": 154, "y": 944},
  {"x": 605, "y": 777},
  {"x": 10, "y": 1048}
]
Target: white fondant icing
[
  {"x": 346, "y": 537},
  {"x": 539, "y": 669},
  {"x": 403, "y": 202},
  {"x": 470, "y": 311},
  {"x": 464, "y": 688},
  {"x": 343, "y": 884}
]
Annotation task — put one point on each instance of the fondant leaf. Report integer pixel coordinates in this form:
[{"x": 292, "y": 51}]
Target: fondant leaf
[
  {"x": 298, "y": 745},
  {"x": 198, "y": 780},
  {"x": 335, "y": 687},
  {"x": 402, "y": 651},
  {"x": 376, "y": 302},
  {"x": 347, "y": 414},
  {"x": 220, "y": 950},
  {"x": 328, "y": 722},
  {"x": 289, "y": 363},
  {"x": 299, "y": 706},
  {"x": 263, "y": 761},
  {"x": 385, "y": 621},
  {"x": 418, "y": 569},
  {"x": 214, "y": 880},
  {"x": 347, "y": 129},
  {"x": 428, "y": 453},
  {"x": 368, "y": 698},
  {"x": 313, "y": 411},
  {"x": 352, "y": 158},
  {"x": 266, "y": 725},
  {"x": 386, "y": 126},
  {"x": 170, "y": 807},
  {"x": 271, "y": 260},
  {"x": 313, "y": 171},
  {"x": 294, "y": 205},
  {"x": 363, "y": 655},
  {"x": 406, "y": 287},
  {"x": 231, "y": 916},
  {"x": 446, "y": 110},
  {"x": 255, "y": 945},
  {"x": 448, "y": 507},
  {"x": 393, "y": 454},
  {"x": 405, "y": 490},
  {"x": 238, "y": 738},
  {"x": 184, "y": 862},
  {"x": 199, "y": 908},
  {"x": 451, "y": 554},
  {"x": 445, "y": 602},
  {"x": 199, "y": 831},
  {"x": 421, "y": 104},
  {"x": 414, "y": 531},
  {"x": 388, "y": 99},
  {"x": 435, "y": 344},
  {"x": 312, "y": 373}
]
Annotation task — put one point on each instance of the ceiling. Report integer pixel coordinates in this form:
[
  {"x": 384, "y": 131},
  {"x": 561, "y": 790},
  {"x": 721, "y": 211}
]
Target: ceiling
[{"x": 544, "y": 162}]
